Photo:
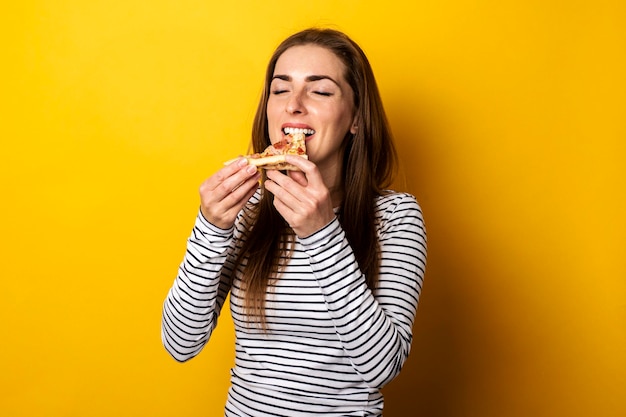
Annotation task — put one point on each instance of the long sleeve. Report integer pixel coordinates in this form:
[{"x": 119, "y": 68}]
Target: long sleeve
[
  {"x": 194, "y": 301},
  {"x": 375, "y": 328}
]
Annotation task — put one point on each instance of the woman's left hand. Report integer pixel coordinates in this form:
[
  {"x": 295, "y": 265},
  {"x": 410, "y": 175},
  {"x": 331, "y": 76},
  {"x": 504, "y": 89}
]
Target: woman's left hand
[{"x": 301, "y": 197}]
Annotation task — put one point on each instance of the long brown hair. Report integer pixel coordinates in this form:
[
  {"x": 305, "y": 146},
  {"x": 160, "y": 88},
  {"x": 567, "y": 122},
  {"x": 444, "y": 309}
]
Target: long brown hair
[{"x": 369, "y": 165}]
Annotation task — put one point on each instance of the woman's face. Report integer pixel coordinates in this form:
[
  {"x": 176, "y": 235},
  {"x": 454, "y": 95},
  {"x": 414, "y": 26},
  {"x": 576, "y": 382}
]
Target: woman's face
[{"x": 308, "y": 91}]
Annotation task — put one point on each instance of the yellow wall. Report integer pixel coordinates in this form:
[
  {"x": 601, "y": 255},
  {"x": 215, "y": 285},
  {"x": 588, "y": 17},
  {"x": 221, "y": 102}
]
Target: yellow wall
[{"x": 510, "y": 121}]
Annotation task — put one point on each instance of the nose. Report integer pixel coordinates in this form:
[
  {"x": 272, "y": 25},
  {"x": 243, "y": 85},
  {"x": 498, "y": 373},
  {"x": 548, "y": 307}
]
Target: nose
[{"x": 295, "y": 104}]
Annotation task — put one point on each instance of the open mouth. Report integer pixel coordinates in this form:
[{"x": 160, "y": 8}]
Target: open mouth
[{"x": 292, "y": 130}]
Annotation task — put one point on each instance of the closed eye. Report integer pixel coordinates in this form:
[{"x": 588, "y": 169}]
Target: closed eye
[{"x": 323, "y": 93}]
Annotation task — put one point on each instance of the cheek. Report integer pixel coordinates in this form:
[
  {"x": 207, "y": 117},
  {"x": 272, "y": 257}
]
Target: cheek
[
  {"x": 272, "y": 116},
  {"x": 273, "y": 105},
  {"x": 269, "y": 110},
  {"x": 342, "y": 123}
]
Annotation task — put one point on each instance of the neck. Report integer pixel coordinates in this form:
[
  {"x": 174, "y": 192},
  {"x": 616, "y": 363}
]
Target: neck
[
  {"x": 332, "y": 178},
  {"x": 336, "y": 196},
  {"x": 335, "y": 187}
]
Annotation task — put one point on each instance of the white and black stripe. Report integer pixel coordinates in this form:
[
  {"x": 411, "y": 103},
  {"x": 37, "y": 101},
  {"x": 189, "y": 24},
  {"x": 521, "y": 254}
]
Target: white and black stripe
[{"x": 331, "y": 343}]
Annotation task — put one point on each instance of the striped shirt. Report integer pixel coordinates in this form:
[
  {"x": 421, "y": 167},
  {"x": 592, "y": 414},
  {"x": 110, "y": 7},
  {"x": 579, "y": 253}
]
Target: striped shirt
[{"x": 331, "y": 343}]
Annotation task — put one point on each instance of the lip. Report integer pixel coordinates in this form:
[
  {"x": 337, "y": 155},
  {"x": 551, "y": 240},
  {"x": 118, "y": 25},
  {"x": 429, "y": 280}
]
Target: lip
[{"x": 296, "y": 125}]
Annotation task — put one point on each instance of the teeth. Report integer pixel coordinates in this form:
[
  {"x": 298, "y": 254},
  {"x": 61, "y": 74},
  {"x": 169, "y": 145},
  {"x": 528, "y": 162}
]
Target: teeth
[{"x": 292, "y": 130}]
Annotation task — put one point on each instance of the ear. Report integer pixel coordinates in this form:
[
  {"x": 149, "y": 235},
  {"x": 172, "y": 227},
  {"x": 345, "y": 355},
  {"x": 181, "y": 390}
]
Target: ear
[{"x": 354, "y": 126}]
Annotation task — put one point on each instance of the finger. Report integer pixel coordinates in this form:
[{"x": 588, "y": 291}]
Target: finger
[
  {"x": 223, "y": 211},
  {"x": 302, "y": 163},
  {"x": 231, "y": 183},
  {"x": 244, "y": 190},
  {"x": 302, "y": 213},
  {"x": 286, "y": 192},
  {"x": 283, "y": 201},
  {"x": 275, "y": 182},
  {"x": 282, "y": 183},
  {"x": 275, "y": 175},
  {"x": 227, "y": 172},
  {"x": 295, "y": 188},
  {"x": 308, "y": 168},
  {"x": 232, "y": 188},
  {"x": 299, "y": 177}
]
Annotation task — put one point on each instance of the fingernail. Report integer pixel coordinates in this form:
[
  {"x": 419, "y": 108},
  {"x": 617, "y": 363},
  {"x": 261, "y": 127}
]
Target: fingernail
[
  {"x": 251, "y": 169},
  {"x": 243, "y": 162}
]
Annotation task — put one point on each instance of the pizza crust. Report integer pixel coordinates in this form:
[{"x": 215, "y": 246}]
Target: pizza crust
[{"x": 274, "y": 162}]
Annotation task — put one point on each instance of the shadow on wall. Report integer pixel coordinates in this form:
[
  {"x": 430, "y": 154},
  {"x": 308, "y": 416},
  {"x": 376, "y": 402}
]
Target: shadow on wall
[{"x": 433, "y": 379}]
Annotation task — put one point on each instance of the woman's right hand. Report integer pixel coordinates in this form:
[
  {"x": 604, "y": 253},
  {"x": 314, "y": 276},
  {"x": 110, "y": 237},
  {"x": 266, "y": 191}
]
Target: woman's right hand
[{"x": 225, "y": 193}]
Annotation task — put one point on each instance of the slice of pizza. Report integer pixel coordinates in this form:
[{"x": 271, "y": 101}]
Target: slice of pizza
[{"x": 274, "y": 156}]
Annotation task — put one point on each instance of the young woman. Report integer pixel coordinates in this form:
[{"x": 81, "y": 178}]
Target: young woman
[{"x": 324, "y": 266}]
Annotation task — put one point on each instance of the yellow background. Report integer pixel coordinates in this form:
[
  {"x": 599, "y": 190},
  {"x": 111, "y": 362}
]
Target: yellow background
[{"x": 510, "y": 120}]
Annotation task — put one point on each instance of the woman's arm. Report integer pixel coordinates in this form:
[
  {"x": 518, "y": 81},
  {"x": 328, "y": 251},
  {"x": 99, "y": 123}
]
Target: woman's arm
[
  {"x": 194, "y": 301},
  {"x": 375, "y": 328}
]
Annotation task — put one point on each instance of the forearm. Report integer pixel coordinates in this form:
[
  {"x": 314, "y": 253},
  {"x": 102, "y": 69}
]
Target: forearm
[
  {"x": 375, "y": 328},
  {"x": 193, "y": 303}
]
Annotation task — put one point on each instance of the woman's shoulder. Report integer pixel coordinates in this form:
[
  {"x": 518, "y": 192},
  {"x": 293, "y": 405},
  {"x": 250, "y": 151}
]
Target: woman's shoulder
[
  {"x": 394, "y": 208},
  {"x": 392, "y": 199},
  {"x": 394, "y": 205}
]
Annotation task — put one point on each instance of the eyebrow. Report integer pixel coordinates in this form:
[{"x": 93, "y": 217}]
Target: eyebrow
[{"x": 310, "y": 78}]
